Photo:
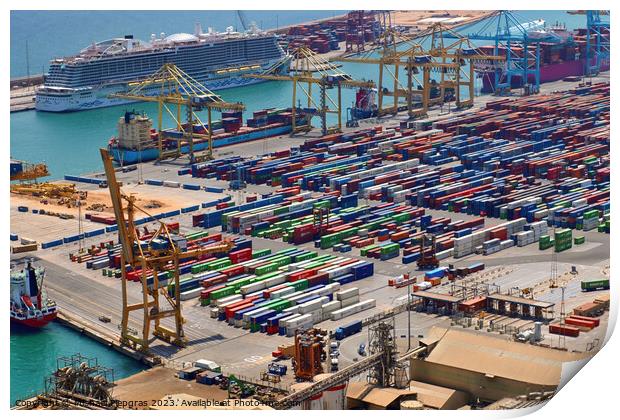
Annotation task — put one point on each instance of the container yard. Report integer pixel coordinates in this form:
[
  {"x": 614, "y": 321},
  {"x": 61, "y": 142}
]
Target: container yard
[{"x": 280, "y": 271}]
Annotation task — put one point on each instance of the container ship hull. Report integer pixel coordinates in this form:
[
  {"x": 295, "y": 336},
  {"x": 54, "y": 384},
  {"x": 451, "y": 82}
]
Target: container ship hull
[
  {"x": 30, "y": 306},
  {"x": 34, "y": 321},
  {"x": 129, "y": 157},
  {"x": 548, "y": 73}
]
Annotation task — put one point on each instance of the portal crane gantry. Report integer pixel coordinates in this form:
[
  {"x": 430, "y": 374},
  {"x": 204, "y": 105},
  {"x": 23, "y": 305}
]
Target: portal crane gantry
[
  {"x": 512, "y": 38},
  {"x": 306, "y": 70},
  {"x": 598, "y": 45},
  {"x": 427, "y": 52},
  {"x": 153, "y": 257},
  {"x": 176, "y": 88}
]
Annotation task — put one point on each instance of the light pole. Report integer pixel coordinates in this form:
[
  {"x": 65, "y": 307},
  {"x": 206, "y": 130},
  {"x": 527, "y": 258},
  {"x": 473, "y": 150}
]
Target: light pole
[{"x": 408, "y": 311}]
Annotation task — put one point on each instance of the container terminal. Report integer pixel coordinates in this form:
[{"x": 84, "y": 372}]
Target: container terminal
[{"x": 343, "y": 266}]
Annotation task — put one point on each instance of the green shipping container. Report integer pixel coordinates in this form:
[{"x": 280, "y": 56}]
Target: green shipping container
[
  {"x": 220, "y": 293},
  {"x": 260, "y": 253},
  {"x": 588, "y": 285}
]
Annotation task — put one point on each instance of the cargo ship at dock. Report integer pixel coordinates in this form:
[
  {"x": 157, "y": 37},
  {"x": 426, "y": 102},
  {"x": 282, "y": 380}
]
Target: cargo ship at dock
[
  {"x": 30, "y": 306},
  {"x": 217, "y": 60},
  {"x": 138, "y": 142},
  {"x": 557, "y": 60}
]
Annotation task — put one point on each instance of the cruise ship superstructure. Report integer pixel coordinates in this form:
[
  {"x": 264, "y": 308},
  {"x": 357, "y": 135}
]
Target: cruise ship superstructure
[{"x": 216, "y": 59}]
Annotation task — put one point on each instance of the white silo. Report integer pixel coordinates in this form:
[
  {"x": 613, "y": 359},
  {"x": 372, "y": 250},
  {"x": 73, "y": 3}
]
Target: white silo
[
  {"x": 313, "y": 403},
  {"x": 537, "y": 331},
  {"x": 333, "y": 398}
]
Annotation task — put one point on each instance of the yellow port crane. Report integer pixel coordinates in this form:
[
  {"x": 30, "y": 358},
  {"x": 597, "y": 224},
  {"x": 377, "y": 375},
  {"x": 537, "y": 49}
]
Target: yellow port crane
[
  {"x": 306, "y": 68},
  {"x": 152, "y": 257},
  {"x": 426, "y": 52},
  {"x": 177, "y": 88}
]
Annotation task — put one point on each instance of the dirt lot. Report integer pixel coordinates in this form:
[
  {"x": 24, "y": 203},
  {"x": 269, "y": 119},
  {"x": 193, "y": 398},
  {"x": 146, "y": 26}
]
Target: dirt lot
[
  {"x": 154, "y": 384},
  {"x": 412, "y": 17},
  {"x": 164, "y": 200}
]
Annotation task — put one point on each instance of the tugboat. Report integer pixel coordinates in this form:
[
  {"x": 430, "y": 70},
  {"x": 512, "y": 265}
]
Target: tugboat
[{"x": 29, "y": 303}]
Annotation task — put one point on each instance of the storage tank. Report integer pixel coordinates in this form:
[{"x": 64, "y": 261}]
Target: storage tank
[
  {"x": 411, "y": 405},
  {"x": 315, "y": 402},
  {"x": 333, "y": 398},
  {"x": 537, "y": 331}
]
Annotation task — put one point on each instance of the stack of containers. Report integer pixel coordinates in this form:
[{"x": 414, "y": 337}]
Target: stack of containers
[
  {"x": 545, "y": 242},
  {"x": 468, "y": 244},
  {"x": 563, "y": 239}
]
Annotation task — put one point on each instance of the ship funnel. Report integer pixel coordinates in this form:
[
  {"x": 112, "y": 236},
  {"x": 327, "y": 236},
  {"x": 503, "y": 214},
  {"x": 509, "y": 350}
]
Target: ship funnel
[{"x": 197, "y": 29}]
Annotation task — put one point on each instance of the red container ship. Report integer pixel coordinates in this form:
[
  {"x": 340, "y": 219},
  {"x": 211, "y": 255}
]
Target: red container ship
[
  {"x": 29, "y": 303},
  {"x": 557, "y": 60}
]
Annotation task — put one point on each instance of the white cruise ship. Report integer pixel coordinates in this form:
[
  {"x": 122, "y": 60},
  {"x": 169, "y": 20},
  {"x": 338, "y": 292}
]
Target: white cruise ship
[{"x": 217, "y": 60}]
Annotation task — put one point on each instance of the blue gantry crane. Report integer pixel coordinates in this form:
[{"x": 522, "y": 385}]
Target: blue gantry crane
[
  {"x": 597, "y": 42},
  {"x": 513, "y": 39}
]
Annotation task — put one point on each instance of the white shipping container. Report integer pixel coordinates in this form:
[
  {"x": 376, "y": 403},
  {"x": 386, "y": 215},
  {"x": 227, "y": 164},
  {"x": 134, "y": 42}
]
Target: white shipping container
[
  {"x": 358, "y": 307},
  {"x": 290, "y": 331},
  {"x": 345, "y": 294},
  {"x": 228, "y": 300},
  {"x": 299, "y": 320},
  {"x": 312, "y": 305},
  {"x": 350, "y": 301},
  {"x": 282, "y": 292},
  {"x": 191, "y": 294}
]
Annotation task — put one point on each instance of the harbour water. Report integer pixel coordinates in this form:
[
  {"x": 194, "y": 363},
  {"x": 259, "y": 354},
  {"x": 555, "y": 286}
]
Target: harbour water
[
  {"x": 34, "y": 353},
  {"x": 68, "y": 142}
]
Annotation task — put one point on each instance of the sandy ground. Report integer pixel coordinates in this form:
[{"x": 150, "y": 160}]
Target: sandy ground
[
  {"x": 141, "y": 388},
  {"x": 412, "y": 17},
  {"x": 161, "y": 197}
]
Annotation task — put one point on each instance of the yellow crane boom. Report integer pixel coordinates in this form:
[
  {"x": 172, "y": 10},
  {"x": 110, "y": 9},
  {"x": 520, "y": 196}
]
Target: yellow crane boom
[
  {"x": 307, "y": 69},
  {"x": 180, "y": 90},
  {"x": 152, "y": 257}
]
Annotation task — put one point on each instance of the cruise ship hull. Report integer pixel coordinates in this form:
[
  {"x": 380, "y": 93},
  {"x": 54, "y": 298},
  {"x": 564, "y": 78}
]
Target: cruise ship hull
[
  {"x": 86, "y": 99},
  {"x": 129, "y": 157}
]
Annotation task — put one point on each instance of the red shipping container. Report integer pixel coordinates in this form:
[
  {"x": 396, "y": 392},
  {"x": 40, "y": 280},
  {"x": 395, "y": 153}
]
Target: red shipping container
[
  {"x": 564, "y": 330},
  {"x": 317, "y": 279},
  {"x": 217, "y": 280},
  {"x": 596, "y": 321},
  {"x": 205, "y": 294},
  {"x": 500, "y": 233},
  {"x": 304, "y": 274},
  {"x": 241, "y": 255},
  {"x": 579, "y": 323},
  {"x": 173, "y": 227},
  {"x": 233, "y": 271}
]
